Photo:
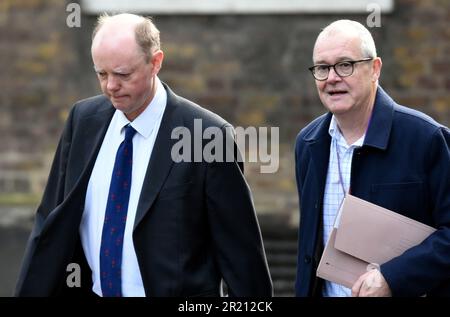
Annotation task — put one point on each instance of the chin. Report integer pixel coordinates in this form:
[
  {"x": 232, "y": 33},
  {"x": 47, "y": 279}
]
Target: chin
[
  {"x": 338, "y": 108},
  {"x": 124, "y": 108},
  {"x": 119, "y": 106}
]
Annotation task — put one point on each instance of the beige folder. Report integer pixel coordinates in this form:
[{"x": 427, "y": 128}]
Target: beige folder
[{"x": 366, "y": 233}]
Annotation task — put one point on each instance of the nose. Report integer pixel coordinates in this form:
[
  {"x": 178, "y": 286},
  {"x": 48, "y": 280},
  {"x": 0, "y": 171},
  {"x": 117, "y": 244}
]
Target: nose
[
  {"x": 112, "y": 84},
  {"x": 332, "y": 76}
]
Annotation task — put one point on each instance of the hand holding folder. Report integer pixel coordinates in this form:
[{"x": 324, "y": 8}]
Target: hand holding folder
[{"x": 366, "y": 233}]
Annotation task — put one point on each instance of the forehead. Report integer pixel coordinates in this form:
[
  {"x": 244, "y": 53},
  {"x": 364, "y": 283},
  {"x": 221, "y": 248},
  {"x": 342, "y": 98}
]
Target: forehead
[
  {"x": 336, "y": 46},
  {"x": 114, "y": 52}
]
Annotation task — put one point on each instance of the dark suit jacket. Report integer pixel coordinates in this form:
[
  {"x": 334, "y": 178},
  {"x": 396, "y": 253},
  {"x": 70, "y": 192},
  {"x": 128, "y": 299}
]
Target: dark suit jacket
[
  {"x": 195, "y": 222},
  {"x": 403, "y": 165}
]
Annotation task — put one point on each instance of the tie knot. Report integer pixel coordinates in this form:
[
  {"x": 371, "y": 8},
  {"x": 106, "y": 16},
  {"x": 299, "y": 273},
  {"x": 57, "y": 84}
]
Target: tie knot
[{"x": 129, "y": 132}]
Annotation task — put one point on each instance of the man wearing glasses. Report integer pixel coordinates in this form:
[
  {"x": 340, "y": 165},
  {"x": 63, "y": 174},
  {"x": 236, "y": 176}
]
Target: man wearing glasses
[{"x": 377, "y": 150}]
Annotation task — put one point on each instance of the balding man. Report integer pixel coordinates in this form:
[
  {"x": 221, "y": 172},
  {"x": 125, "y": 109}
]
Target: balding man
[
  {"x": 375, "y": 149},
  {"x": 118, "y": 205}
]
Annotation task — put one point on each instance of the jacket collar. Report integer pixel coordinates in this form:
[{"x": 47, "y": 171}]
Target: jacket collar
[
  {"x": 381, "y": 121},
  {"x": 379, "y": 127}
]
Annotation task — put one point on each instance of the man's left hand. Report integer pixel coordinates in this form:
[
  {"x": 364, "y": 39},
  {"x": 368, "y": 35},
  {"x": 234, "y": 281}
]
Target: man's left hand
[{"x": 371, "y": 284}]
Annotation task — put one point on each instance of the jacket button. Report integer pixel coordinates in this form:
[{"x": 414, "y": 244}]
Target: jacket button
[{"x": 307, "y": 259}]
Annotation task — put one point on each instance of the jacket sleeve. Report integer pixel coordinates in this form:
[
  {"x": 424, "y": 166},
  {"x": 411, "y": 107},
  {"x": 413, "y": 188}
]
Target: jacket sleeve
[
  {"x": 52, "y": 197},
  {"x": 234, "y": 228},
  {"x": 422, "y": 268}
]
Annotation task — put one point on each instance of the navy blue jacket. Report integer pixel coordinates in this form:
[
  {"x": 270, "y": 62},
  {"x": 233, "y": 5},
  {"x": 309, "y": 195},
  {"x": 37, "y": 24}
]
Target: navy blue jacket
[{"x": 403, "y": 165}]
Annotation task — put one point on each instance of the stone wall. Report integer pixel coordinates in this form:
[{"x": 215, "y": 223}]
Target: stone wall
[{"x": 250, "y": 69}]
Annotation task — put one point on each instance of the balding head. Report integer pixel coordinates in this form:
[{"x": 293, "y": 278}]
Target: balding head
[
  {"x": 126, "y": 55},
  {"x": 350, "y": 29},
  {"x": 122, "y": 20},
  {"x": 129, "y": 29}
]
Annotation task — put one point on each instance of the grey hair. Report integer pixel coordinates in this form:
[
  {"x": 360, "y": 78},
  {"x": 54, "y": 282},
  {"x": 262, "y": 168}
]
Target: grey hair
[
  {"x": 146, "y": 34},
  {"x": 368, "y": 48}
]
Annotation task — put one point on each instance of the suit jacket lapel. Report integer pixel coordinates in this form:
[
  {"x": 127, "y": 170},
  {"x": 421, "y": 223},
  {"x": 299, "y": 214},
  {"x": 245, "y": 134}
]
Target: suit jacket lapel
[
  {"x": 87, "y": 145},
  {"x": 94, "y": 129},
  {"x": 160, "y": 160},
  {"x": 319, "y": 144},
  {"x": 320, "y": 151}
]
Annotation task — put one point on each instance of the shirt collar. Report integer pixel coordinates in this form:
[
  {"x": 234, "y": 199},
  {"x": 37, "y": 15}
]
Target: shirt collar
[
  {"x": 333, "y": 128},
  {"x": 336, "y": 134},
  {"x": 148, "y": 119}
]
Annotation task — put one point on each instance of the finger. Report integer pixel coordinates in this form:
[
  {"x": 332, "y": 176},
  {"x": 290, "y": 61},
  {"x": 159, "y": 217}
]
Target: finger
[{"x": 357, "y": 286}]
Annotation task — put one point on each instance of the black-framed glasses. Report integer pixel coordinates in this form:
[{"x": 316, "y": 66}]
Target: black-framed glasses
[{"x": 342, "y": 69}]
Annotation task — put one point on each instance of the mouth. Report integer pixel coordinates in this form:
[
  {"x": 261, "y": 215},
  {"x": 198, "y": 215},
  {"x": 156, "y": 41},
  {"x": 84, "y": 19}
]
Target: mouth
[
  {"x": 337, "y": 92},
  {"x": 118, "y": 97}
]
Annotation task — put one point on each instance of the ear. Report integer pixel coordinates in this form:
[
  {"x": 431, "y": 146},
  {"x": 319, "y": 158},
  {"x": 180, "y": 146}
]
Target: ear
[
  {"x": 376, "y": 68},
  {"x": 156, "y": 62}
]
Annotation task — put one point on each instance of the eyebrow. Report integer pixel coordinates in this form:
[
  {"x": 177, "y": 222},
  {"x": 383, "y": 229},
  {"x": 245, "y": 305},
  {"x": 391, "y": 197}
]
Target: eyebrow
[
  {"x": 115, "y": 71},
  {"x": 122, "y": 71},
  {"x": 340, "y": 59}
]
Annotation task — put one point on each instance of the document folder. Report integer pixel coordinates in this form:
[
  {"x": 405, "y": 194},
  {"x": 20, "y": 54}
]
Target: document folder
[{"x": 366, "y": 233}]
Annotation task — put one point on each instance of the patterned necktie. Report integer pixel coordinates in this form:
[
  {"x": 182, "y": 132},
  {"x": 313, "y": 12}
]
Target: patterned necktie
[{"x": 115, "y": 218}]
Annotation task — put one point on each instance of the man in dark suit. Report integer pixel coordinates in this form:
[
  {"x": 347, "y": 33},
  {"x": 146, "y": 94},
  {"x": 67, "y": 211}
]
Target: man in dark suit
[
  {"x": 183, "y": 226},
  {"x": 377, "y": 150}
]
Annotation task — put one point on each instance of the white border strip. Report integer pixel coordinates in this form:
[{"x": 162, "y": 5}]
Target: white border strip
[{"x": 163, "y": 7}]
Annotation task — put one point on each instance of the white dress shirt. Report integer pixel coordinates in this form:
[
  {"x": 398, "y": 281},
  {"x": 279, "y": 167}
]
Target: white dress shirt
[
  {"x": 334, "y": 193},
  {"x": 147, "y": 125}
]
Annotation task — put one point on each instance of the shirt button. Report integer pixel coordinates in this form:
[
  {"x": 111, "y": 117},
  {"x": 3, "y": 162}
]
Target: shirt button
[{"x": 307, "y": 259}]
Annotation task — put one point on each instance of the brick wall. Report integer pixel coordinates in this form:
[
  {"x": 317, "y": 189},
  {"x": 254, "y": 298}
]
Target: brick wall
[
  {"x": 252, "y": 70},
  {"x": 38, "y": 83}
]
